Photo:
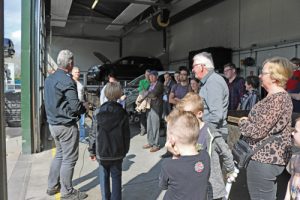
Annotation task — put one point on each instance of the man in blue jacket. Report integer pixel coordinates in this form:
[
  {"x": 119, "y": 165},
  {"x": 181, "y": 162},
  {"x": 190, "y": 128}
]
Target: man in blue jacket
[{"x": 63, "y": 109}]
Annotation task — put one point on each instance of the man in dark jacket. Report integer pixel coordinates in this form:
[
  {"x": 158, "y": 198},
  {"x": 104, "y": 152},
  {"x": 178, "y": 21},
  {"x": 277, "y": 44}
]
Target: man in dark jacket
[
  {"x": 155, "y": 93},
  {"x": 109, "y": 141},
  {"x": 63, "y": 109},
  {"x": 236, "y": 85}
]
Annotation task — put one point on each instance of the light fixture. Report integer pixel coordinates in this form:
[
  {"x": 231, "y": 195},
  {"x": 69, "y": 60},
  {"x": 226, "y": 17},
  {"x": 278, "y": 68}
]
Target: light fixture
[{"x": 94, "y": 4}]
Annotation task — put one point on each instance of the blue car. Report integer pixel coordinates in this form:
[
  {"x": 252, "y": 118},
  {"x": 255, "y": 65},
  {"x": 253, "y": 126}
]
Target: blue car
[{"x": 9, "y": 50}]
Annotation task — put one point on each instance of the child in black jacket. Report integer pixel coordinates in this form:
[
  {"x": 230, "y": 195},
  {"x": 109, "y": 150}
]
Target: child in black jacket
[{"x": 109, "y": 141}]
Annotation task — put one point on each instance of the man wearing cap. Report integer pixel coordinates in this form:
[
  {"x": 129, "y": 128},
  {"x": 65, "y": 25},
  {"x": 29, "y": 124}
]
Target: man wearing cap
[{"x": 155, "y": 93}]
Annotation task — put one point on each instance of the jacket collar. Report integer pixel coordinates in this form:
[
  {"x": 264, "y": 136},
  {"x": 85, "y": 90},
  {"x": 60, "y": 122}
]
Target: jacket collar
[{"x": 205, "y": 78}]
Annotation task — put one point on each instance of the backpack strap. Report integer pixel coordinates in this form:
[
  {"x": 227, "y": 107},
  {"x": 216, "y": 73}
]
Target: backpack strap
[{"x": 270, "y": 139}]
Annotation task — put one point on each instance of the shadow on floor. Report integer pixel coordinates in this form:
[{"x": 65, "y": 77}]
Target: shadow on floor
[
  {"x": 93, "y": 176},
  {"x": 144, "y": 186}
]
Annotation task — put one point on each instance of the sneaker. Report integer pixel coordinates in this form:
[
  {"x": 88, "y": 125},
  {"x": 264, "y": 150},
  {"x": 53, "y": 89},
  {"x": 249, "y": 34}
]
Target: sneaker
[
  {"x": 54, "y": 190},
  {"x": 74, "y": 195},
  {"x": 154, "y": 149}
]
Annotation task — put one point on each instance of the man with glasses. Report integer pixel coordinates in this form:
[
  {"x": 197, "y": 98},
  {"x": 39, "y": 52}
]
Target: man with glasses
[
  {"x": 236, "y": 85},
  {"x": 214, "y": 92}
]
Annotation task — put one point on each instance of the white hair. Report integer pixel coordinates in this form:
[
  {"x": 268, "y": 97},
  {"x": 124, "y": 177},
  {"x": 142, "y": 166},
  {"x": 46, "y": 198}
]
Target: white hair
[
  {"x": 206, "y": 59},
  {"x": 75, "y": 69},
  {"x": 64, "y": 58}
]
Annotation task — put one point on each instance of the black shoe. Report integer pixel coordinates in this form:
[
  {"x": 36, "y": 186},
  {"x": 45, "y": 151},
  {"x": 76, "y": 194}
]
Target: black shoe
[
  {"x": 53, "y": 191},
  {"x": 166, "y": 155},
  {"x": 74, "y": 195}
]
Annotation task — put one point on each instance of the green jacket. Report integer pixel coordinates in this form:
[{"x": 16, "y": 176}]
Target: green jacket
[{"x": 143, "y": 85}]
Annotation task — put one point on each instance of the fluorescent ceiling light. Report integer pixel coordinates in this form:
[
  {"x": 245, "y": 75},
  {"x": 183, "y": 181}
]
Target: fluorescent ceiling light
[{"x": 94, "y": 4}]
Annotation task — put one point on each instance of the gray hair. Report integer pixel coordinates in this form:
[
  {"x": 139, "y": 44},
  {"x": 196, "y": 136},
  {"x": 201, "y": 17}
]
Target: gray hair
[
  {"x": 64, "y": 58},
  {"x": 206, "y": 59}
]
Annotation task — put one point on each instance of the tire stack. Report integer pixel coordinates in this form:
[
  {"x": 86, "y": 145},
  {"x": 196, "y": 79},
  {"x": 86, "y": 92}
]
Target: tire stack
[{"x": 13, "y": 109}]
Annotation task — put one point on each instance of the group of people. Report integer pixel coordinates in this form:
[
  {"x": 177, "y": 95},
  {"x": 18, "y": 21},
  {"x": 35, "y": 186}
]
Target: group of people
[{"x": 196, "y": 129}]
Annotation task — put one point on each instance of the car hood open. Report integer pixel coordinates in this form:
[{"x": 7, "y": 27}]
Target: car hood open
[{"x": 102, "y": 58}]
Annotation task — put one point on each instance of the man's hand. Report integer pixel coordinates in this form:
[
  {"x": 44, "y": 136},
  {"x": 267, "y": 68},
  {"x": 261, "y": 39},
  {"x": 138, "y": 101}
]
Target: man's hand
[
  {"x": 122, "y": 98},
  {"x": 231, "y": 176},
  {"x": 242, "y": 119},
  {"x": 93, "y": 158}
]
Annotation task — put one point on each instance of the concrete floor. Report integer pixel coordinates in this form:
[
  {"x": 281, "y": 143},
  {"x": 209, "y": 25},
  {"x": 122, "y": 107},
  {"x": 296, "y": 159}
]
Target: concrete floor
[{"x": 27, "y": 174}]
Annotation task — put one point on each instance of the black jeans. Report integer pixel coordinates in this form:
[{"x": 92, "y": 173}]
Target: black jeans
[
  {"x": 262, "y": 180},
  {"x": 143, "y": 122}
]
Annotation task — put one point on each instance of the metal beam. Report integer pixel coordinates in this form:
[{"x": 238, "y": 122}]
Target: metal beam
[
  {"x": 3, "y": 172},
  {"x": 26, "y": 78},
  {"x": 88, "y": 21},
  {"x": 145, "y": 2},
  {"x": 98, "y": 38}
]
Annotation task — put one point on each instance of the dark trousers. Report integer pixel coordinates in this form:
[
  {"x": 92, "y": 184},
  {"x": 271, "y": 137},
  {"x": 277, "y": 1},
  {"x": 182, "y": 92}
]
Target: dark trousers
[
  {"x": 115, "y": 171},
  {"x": 166, "y": 109},
  {"x": 262, "y": 180},
  {"x": 143, "y": 122}
]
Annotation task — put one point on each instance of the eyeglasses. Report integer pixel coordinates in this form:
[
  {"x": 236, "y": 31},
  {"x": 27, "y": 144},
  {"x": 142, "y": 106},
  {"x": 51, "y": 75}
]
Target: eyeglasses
[
  {"x": 265, "y": 73},
  {"x": 196, "y": 65}
]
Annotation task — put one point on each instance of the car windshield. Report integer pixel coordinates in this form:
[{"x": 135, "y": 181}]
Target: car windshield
[
  {"x": 94, "y": 69},
  {"x": 135, "y": 82}
]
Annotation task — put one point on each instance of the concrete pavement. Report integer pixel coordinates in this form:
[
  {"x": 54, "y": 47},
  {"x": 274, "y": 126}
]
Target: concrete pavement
[{"x": 27, "y": 174}]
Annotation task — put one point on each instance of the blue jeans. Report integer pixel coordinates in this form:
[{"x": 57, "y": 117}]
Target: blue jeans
[
  {"x": 113, "y": 169},
  {"x": 81, "y": 127},
  {"x": 62, "y": 166}
]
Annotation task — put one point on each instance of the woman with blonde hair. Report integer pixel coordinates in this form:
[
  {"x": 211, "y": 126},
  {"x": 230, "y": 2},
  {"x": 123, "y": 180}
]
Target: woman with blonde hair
[{"x": 270, "y": 116}]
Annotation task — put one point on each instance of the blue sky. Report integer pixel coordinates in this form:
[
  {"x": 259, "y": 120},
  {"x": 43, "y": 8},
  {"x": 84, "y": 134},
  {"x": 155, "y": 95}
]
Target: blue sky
[{"x": 12, "y": 22}]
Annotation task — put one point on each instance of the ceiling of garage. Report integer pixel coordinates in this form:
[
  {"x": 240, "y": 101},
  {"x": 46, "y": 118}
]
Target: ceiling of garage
[{"x": 112, "y": 19}]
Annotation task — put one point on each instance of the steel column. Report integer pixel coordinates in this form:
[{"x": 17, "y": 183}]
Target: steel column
[
  {"x": 3, "y": 173},
  {"x": 26, "y": 95}
]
